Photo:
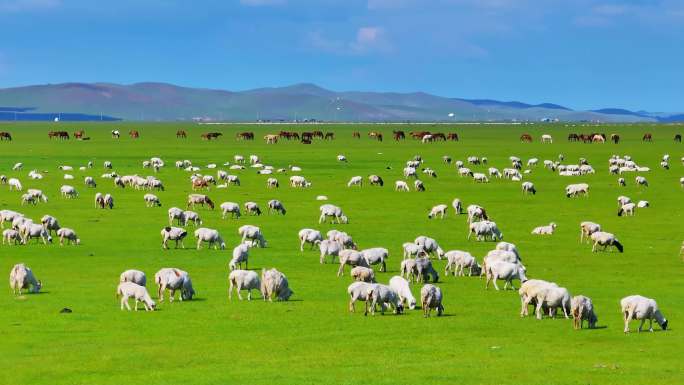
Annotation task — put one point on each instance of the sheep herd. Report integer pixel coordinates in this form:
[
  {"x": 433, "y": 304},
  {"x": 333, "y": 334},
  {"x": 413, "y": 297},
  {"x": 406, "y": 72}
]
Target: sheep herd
[{"x": 503, "y": 263}]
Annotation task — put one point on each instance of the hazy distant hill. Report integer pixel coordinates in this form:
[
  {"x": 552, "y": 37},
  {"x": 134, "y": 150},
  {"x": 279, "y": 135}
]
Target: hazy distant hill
[{"x": 160, "y": 101}]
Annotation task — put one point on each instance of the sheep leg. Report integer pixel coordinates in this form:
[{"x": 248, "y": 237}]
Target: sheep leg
[
  {"x": 627, "y": 318},
  {"x": 494, "y": 278},
  {"x": 136, "y": 304},
  {"x": 641, "y": 325},
  {"x": 301, "y": 245},
  {"x": 199, "y": 244}
]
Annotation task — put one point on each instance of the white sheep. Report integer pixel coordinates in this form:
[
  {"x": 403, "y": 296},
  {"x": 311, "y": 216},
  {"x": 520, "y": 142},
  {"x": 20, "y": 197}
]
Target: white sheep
[
  {"x": 362, "y": 274},
  {"x": 641, "y": 308},
  {"x": 429, "y": 245},
  {"x": 126, "y": 290},
  {"x": 458, "y": 260},
  {"x": 253, "y": 234},
  {"x": 230, "y": 207},
  {"x": 601, "y": 238},
  {"x": 582, "y": 309},
  {"x": 310, "y": 236},
  {"x": 577, "y": 189},
  {"x": 545, "y": 230},
  {"x": 411, "y": 250},
  {"x": 485, "y": 229},
  {"x": 418, "y": 185},
  {"x": 274, "y": 284},
  {"x": 641, "y": 181},
  {"x": 212, "y": 236},
  {"x": 191, "y": 216},
  {"x": 355, "y": 181},
  {"x": 240, "y": 254},
  {"x": 552, "y": 297},
  {"x": 252, "y": 208},
  {"x": 587, "y": 228},
  {"x": 31, "y": 230},
  {"x": 400, "y": 185},
  {"x": 458, "y": 207},
  {"x": 276, "y": 206},
  {"x": 11, "y": 236},
  {"x": 335, "y": 212},
  {"x": 14, "y": 184},
  {"x": 438, "y": 210},
  {"x": 375, "y": 180},
  {"x": 173, "y": 279},
  {"x": 376, "y": 255},
  {"x": 329, "y": 247},
  {"x": 506, "y": 271},
  {"x": 627, "y": 209},
  {"x": 151, "y": 200},
  {"x": 174, "y": 213},
  {"x": 272, "y": 183},
  {"x": 176, "y": 234},
  {"x": 21, "y": 277},
  {"x": 528, "y": 188},
  {"x": 50, "y": 223},
  {"x": 643, "y": 204},
  {"x": 68, "y": 234},
  {"x": 431, "y": 298},
  {"x": 136, "y": 276},
  {"x": 342, "y": 238},
  {"x": 401, "y": 286},
  {"x": 243, "y": 280},
  {"x": 384, "y": 295},
  {"x": 476, "y": 212},
  {"x": 358, "y": 291},
  {"x": 351, "y": 258}
]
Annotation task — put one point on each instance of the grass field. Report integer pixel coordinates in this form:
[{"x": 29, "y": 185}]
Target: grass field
[{"x": 313, "y": 338}]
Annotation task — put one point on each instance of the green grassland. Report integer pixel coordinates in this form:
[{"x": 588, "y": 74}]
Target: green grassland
[{"x": 313, "y": 338}]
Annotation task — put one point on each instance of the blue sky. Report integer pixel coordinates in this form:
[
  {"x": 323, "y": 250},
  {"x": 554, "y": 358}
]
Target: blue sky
[{"x": 580, "y": 53}]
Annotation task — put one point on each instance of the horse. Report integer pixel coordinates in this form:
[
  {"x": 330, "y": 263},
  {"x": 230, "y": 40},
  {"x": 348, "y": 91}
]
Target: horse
[
  {"x": 677, "y": 138},
  {"x": 116, "y": 134},
  {"x": 648, "y": 137},
  {"x": 79, "y": 134},
  {"x": 526, "y": 138},
  {"x": 452, "y": 136},
  {"x": 5, "y": 136},
  {"x": 134, "y": 134},
  {"x": 615, "y": 138},
  {"x": 399, "y": 135},
  {"x": 181, "y": 134},
  {"x": 329, "y": 136},
  {"x": 356, "y": 135}
]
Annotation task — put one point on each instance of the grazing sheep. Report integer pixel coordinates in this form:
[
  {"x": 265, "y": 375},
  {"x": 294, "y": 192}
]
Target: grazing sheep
[
  {"x": 11, "y": 236},
  {"x": 400, "y": 185},
  {"x": 438, "y": 210},
  {"x": 528, "y": 188},
  {"x": 574, "y": 190},
  {"x": 411, "y": 250},
  {"x": 507, "y": 246},
  {"x": 480, "y": 177},
  {"x": 587, "y": 229},
  {"x": 108, "y": 201},
  {"x": 351, "y": 258},
  {"x": 641, "y": 181},
  {"x": 621, "y": 182},
  {"x": 401, "y": 286},
  {"x": 173, "y": 279},
  {"x": 299, "y": 181},
  {"x": 383, "y": 295},
  {"x": 528, "y": 294},
  {"x": 176, "y": 234},
  {"x": 252, "y": 208},
  {"x": 552, "y": 297},
  {"x": 499, "y": 256},
  {"x": 232, "y": 208},
  {"x": 135, "y": 276},
  {"x": 27, "y": 199},
  {"x": 642, "y": 308},
  {"x": 358, "y": 291},
  {"x": 177, "y": 214},
  {"x": 582, "y": 309},
  {"x": 409, "y": 270},
  {"x": 429, "y": 246},
  {"x": 506, "y": 271},
  {"x": 627, "y": 209},
  {"x": 362, "y": 274},
  {"x": 68, "y": 234},
  {"x": 310, "y": 236},
  {"x": 243, "y": 280},
  {"x": 431, "y": 298},
  {"x": 485, "y": 229},
  {"x": 274, "y": 284},
  {"x": 476, "y": 212},
  {"x": 50, "y": 223},
  {"x": 342, "y": 238},
  {"x": 32, "y": 230},
  {"x": 126, "y": 290},
  {"x": 643, "y": 204},
  {"x": 355, "y": 181},
  {"x": 604, "y": 239},
  {"x": 545, "y": 230},
  {"x": 191, "y": 216},
  {"x": 151, "y": 200},
  {"x": 424, "y": 270},
  {"x": 341, "y": 158},
  {"x": 335, "y": 212},
  {"x": 199, "y": 199},
  {"x": 458, "y": 207},
  {"x": 14, "y": 184},
  {"x": 276, "y": 206},
  {"x": 272, "y": 182},
  {"x": 623, "y": 200},
  {"x": 494, "y": 172},
  {"x": 418, "y": 185},
  {"x": 375, "y": 180},
  {"x": 329, "y": 247},
  {"x": 240, "y": 254},
  {"x": 212, "y": 236},
  {"x": 253, "y": 234},
  {"x": 458, "y": 260},
  {"x": 21, "y": 277},
  {"x": 376, "y": 255}
]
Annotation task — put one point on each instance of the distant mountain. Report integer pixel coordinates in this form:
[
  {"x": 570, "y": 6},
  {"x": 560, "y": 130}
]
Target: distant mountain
[{"x": 168, "y": 102}]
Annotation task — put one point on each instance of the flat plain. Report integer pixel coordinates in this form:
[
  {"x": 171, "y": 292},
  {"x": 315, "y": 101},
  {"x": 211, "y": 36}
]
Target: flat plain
[{"x": 313, "y": 338}]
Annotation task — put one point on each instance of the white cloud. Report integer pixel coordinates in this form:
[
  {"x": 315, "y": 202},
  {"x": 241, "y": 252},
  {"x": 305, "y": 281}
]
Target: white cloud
[
  {"x": 260, "y": 3},
  {"x": 367, "y": 40},
  {"x": 28, "y": 5}
]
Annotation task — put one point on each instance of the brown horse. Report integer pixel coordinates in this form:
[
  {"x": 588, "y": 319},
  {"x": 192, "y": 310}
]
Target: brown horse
[
  {"x": 329, "y": 136},
  {"x": 452, "y": 136},
  {"x": 181, "y": 134},
  {"x": 356, "y": 135},
  {"x": 211, "y": 135},
  {"x": 241, "y": 136},
  {"x": 134, "y": 134},
  {"x": 5, "y": 136},
  {"x": 615, "y": 138},
  {"x": 526, "y": 138},
  {"x": 79, "y": 134},
  {"x": 439, "y": 136},
  {"x": 648, "y": 137},
  {"x": 399, "y": 135}
]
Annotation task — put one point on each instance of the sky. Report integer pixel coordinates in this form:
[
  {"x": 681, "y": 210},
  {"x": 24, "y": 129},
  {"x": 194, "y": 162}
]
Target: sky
[{"x": 584, "y": 54}]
